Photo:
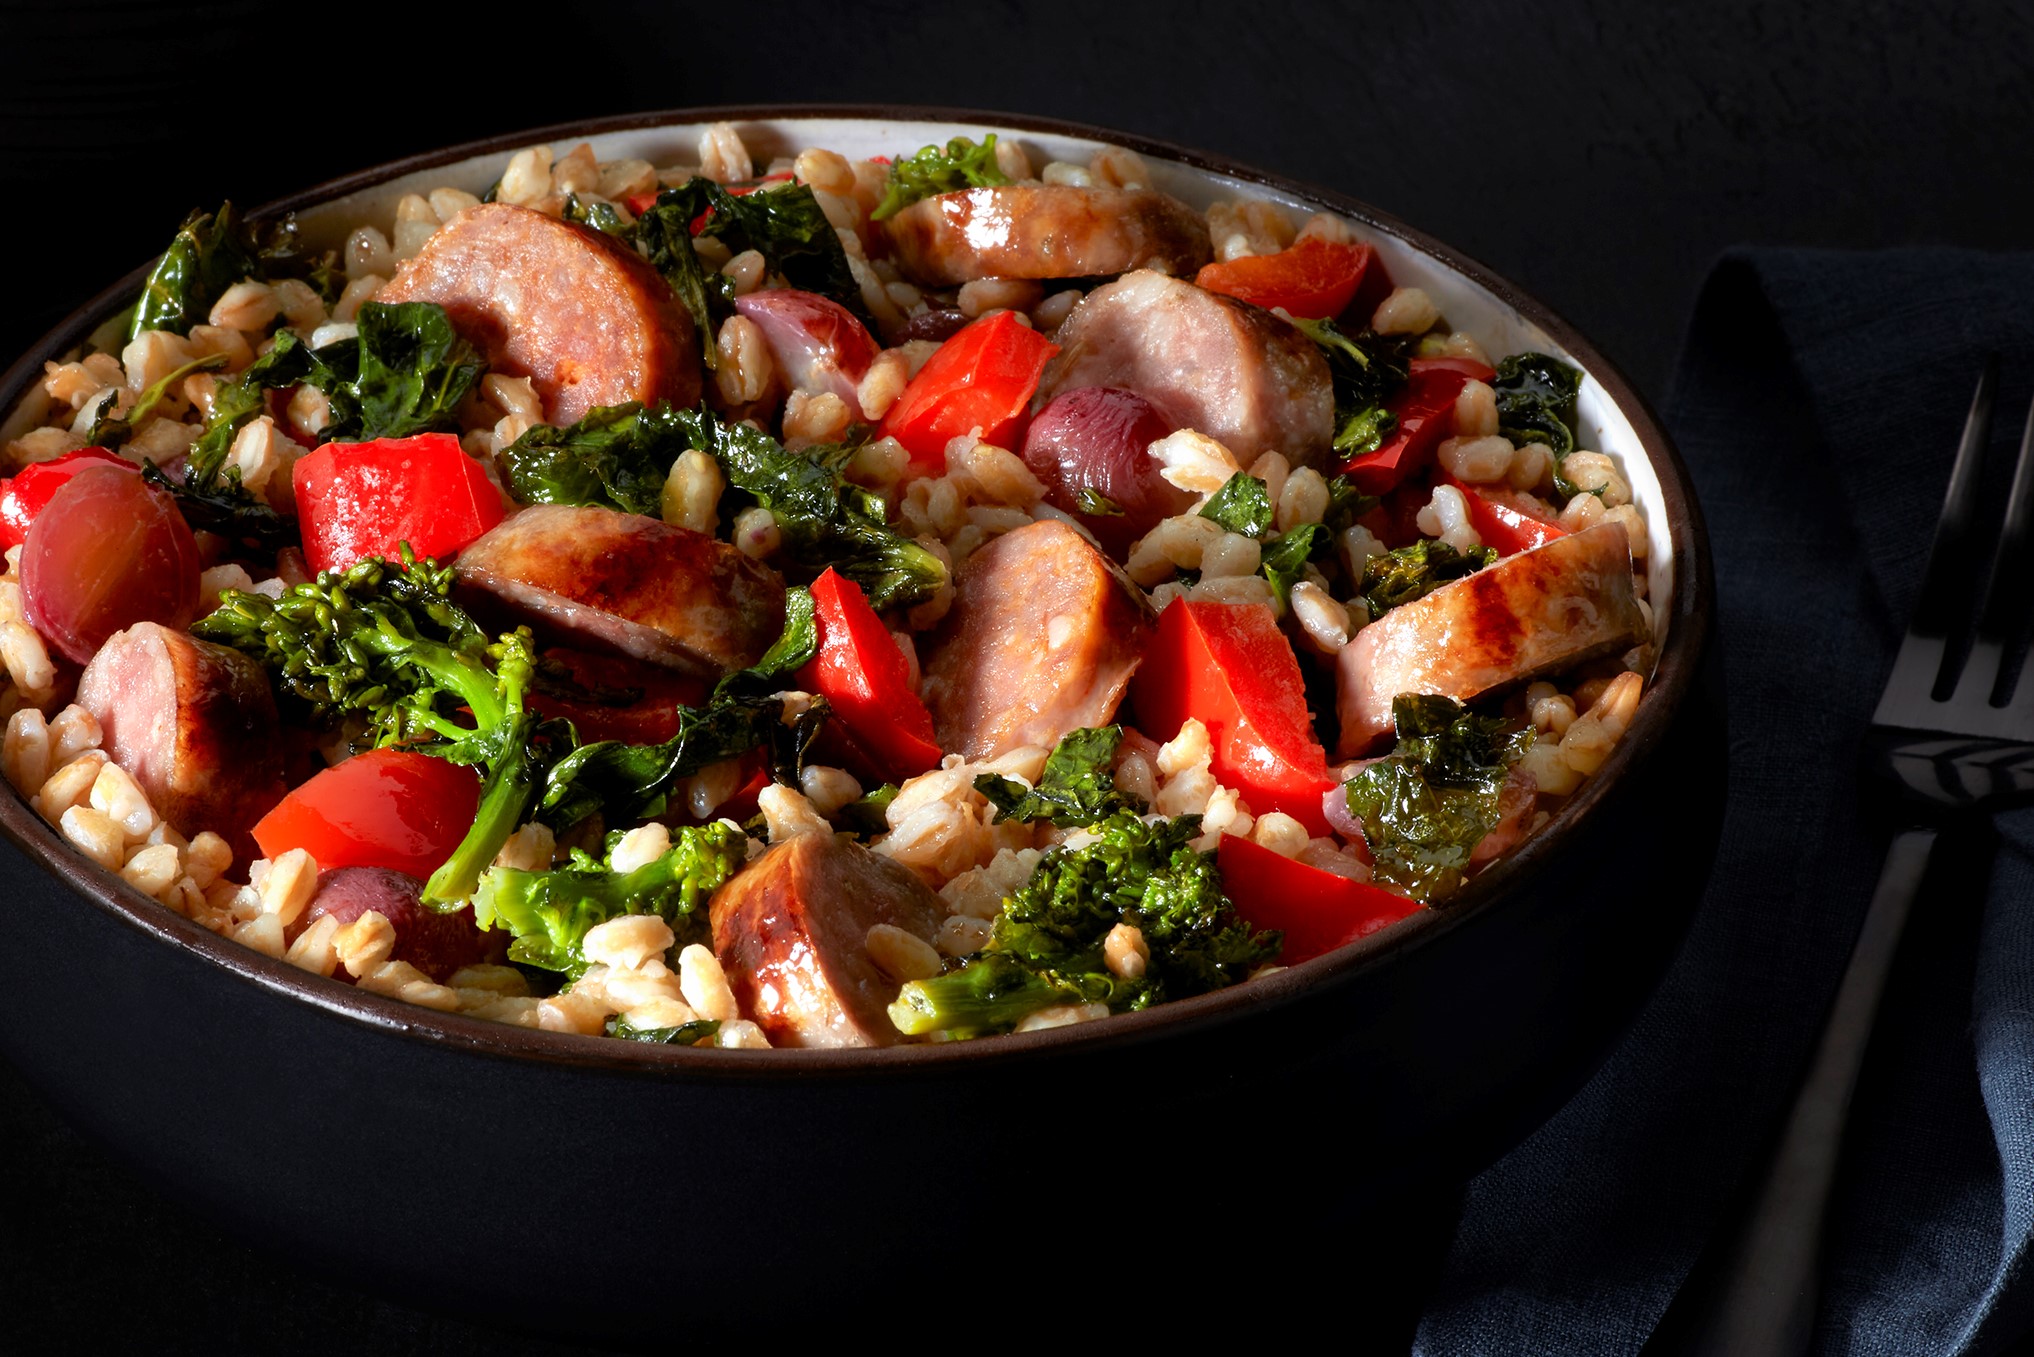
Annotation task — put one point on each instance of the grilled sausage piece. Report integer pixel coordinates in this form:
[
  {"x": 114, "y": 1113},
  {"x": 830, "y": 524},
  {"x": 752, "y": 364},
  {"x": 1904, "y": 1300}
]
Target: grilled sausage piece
[
  {"x": 1046, "y": 231},
  {"x": 1527, "y": 615},
  {"x": 626, "y": 584},
  {"x": 1043, "y": 638},
  {"x": 571, "y": 308},
  {"x": 194, "y": 723},
  {"x": 791, "y": 930},
  {"x": 436, "y": 944},
  {"x": 1233, "y": 371}
]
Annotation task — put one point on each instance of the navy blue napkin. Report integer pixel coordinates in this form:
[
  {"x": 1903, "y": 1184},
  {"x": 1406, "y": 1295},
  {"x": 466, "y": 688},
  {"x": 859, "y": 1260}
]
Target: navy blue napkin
[{"x": 1818, "y": 404}]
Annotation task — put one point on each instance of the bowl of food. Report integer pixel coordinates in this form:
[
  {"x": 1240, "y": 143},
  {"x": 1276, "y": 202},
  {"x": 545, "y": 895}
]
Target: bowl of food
[{"x": 773, "y": 655}]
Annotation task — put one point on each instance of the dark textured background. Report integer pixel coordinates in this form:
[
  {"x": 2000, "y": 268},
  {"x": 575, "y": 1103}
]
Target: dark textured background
[{"x": 1600, "y": 154}]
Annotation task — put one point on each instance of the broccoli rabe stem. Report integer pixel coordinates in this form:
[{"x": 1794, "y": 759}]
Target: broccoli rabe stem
[
  {"x": 991, "y": 993},
  {"x": 506, "y": 797}
]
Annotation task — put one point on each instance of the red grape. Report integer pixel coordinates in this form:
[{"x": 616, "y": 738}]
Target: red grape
[
  {"x": 436, "y": 944},
  {"x": 108, "y": 551},
  {"x": 1093, "y": 439}
]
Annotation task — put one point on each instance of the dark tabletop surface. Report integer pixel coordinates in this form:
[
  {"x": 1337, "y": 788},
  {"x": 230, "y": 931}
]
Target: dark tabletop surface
[{"x": 1599, "y": 154}]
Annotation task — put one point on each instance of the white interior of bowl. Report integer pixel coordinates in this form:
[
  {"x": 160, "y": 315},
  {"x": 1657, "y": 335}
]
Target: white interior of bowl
[{"x": 1467, "y": 304}]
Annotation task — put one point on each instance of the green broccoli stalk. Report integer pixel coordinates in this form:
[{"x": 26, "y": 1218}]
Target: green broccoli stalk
[
  {"x": 386, "y": 643},
  {"x": 550, "y": 913},
  {"x": 1047, "y": 947}
]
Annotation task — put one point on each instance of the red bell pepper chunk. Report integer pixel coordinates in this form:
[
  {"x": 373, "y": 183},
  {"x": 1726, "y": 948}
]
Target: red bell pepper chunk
[
  {"x": 356, "y": 500},
  {"x": 1230, "y": 667},
  {"x": 386, "y": 808},
  {"x": 981, "y": 378},
  {"x": 1317, "y": 911},
  {"x": 1506, "y": 519},
  {"x": 1426, "y": 415},
  {"x": 1313, "y": 279},
  {"x": 651, "y": 718},
  {"x": 639, "y": 203},
  {"x": 865, "y": 678},
  {"x": 30, "y": 490}
]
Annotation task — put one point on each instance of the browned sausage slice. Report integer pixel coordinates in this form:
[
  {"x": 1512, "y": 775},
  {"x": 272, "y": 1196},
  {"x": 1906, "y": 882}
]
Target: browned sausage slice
[
  {"x": 1530, "y": 614},
  {"x": 1233, "y": 371},
  {"x": 1046, "y": 231},
  {"x": 629, "y": 585},
  {"x": 1043, "y": 638},
  {"x": 792, "y": 930},
  {"x": 194, "y": 724},
  {"x": 573, "y": 309}
]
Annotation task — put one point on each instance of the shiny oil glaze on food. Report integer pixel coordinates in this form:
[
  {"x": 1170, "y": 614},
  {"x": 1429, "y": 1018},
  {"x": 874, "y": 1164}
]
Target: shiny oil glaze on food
[{"x": 831, "y": 602}]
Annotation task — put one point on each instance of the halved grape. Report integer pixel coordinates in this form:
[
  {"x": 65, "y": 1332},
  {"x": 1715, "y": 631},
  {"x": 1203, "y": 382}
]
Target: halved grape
[
  {"x": 108, "y": 551},
  {"x": 1093, "y": 440}
]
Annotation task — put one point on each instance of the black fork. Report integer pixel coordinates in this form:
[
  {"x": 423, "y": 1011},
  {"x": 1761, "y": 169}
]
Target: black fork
[{"x": 1956, "y": 740}]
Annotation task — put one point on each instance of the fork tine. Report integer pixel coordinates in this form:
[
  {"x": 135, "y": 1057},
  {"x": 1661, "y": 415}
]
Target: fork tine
[
  {"x": 2007, "y": 598},
  {"x": 1952, "y": 558}
]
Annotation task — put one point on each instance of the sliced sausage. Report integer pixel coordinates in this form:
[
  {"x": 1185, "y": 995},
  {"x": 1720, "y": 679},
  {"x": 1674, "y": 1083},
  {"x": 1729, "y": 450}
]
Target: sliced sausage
[
  {"x": 1530, "y": 614},
  {"x": 791, "y": 931},
  {"x": 435, "y": 943},
  {"x": 194, "y": 724},
  {"x": 1046, "y": 231},
  {"x": 628, "y": 585},
  {"x": 580, "y": 314},
  {"x": 1233, "y": 371},
  {"x": 1043, "y": 638}
]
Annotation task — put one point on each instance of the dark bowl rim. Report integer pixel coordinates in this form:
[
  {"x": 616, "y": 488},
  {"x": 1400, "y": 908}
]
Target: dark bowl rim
[{"x": 1673, "y": 679}]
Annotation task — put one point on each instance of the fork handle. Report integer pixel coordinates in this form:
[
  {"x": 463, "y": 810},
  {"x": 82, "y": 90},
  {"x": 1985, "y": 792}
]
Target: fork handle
[{"x": 1767, "y": 1304}]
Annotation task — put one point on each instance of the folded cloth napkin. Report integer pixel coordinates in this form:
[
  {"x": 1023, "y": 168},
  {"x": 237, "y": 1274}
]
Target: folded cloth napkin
[{"x": 1818, "y": 404}]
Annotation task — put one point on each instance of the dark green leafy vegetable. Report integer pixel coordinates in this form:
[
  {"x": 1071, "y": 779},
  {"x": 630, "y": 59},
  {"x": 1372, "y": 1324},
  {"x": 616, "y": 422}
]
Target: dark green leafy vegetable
[
  {"x": 550, "y": 913},
  {"x": 631, "y": 782},
  {"x": 1426, "y": 806},
  {"x": 618, "y": 456},
  {"x": 599, "y": 215},
  {"x": 385, "y": 643},
  {"x": 934, "y": 170},
  {"x": 1368, "y": 370},
  {"x": 111, "y": 431},
  {"x": 1536, "y": 404},
  {"x": 1047, "y": 944},
  {"x": 404, "y": 373},
  {"x": 1242, "y": 505},
  {"x": 227, "y": 510},
  {"x": 784, "y": 223},
  {"x": 1284, "y": 563},
  {"x": 1076, "y": 788},
  {"x": 698, "y": 1033},
  {"x": 1410, "y": 572},
  {"x": 1346, "y": 504},
  {"x": 1095, "y": 504},
  {"x": 866, "y": 815},
  {"x": 210, "y": 252}
]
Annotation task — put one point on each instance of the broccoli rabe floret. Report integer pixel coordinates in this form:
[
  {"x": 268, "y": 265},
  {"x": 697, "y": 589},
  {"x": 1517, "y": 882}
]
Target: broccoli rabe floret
[
  {"x": 549, "y": 913},
  {"x": 1047, "y": 947}
]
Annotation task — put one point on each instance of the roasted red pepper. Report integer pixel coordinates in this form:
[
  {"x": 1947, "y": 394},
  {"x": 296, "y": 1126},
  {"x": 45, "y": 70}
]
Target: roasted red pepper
[
  {"x": 356, "y": 500},
  {"x": 1426, "y": 415},
  {"x": 1317, "y": 911},
  {"x": 29, "y": 491},
  {"x": 1506, "y": 519},
  {"x": 1230, "y": 667},
  {"x": 1313, "y": 279},
  {"x": 981, "y": 378},
  {"x": 865, "y": 678},
  {"x": 384, "y": 808}
]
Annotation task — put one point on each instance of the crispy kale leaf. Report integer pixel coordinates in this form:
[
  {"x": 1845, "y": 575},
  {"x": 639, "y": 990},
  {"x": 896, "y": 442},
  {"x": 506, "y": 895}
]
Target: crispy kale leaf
[
  {"x": 1406, "y": 573},
  {"x": 782, "y": 222},
  {"x": 631, "y": 782},
  {"x": 550, "y": 913},
  {"x": 934, "y": 170},
  {"x": 1536, "y": 404},
  {"x": 405, "y": 372},
  {"x": 698, "y": 1033},
  {"x": 1242, "y": 505},
  {"x": 1076, "y": 788},
  {"x": 1426, "y": 806},
  {"x": 1047, "y": 945},
  {"x": 211, "y": 252},
  {"x": 1368, "y": 370},
  {"x": 385, "y": 643},
  {"x": 618, "y": 455}
]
